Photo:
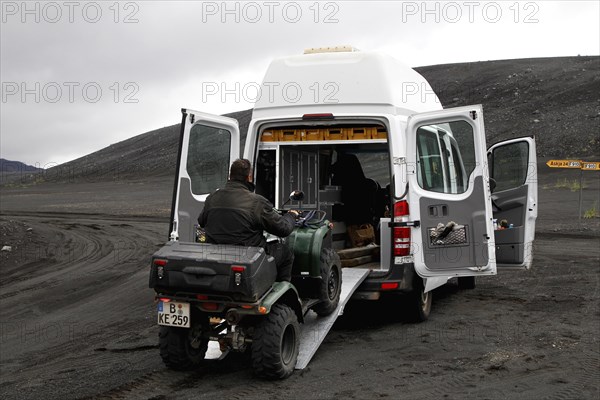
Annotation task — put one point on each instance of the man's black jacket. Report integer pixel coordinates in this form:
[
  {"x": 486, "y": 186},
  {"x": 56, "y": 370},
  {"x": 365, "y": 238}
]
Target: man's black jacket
[{"x": 235, "y": 215}]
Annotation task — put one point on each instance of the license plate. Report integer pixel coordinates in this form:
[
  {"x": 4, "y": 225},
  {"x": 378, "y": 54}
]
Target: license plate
[{"x": 172, "y": 313}]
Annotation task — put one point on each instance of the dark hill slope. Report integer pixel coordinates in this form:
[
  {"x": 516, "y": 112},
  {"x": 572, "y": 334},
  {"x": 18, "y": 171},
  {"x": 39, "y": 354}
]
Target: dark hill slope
[
  {"x": 557, "y": 99},
  {"x": 149, "y": 154}
]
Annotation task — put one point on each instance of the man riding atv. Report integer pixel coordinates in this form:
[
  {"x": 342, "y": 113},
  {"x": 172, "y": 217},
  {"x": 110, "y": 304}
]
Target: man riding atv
[
  {"x": 231, "y": 286},
  {"x": 238, "y": 216}
]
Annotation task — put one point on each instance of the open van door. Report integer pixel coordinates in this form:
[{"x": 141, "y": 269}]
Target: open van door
[
  {"x": 208, "y": 145},
  {"x": 449, "y": 198},
  {"x": 513, "y": 167}
]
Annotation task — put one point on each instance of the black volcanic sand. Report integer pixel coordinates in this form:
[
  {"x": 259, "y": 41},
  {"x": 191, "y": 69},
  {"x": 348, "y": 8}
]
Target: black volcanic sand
[{"x": 78, "y": 319}]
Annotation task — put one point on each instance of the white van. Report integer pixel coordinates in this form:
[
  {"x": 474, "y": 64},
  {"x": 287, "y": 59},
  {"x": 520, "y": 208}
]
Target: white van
[{"x": 368, "y": 142}]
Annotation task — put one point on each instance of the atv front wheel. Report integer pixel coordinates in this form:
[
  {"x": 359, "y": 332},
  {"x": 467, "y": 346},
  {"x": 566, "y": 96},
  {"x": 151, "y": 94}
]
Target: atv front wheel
[
  {"x": 331, "y": 283},
  {"x": 276, "y": 343},
  {"x": 183, "y": 348}
]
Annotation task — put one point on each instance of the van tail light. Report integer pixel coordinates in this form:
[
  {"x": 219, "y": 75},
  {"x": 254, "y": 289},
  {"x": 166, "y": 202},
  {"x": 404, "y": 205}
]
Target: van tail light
[
  {"x": 401, "y": 234},
  {"x": 389, "y": 285}
]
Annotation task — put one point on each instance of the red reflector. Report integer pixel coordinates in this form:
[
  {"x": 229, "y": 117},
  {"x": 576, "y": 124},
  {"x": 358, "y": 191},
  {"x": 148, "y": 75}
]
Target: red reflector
[
  {"x": 202, "y": 297},
  {"x": 160, "y": 263},
  {"x": 164, "y": 299},
  {"x": 400, "y": 234},
  {"x": 401, "y": 251},
  {"x": 389, "y": 285},
  {"x": 238, "y": 268},
  {"x": 209, "y": 306},
  {"x": 318, "y": 116},
  {"x": 400, "y": 208}
]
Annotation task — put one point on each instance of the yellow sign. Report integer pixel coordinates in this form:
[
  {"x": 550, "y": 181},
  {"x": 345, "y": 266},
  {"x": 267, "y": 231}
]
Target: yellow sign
[
  {"x": 564, "y": 164},
  {"x": 590, "y": 165},
  {"x": 578, "y": 164}
]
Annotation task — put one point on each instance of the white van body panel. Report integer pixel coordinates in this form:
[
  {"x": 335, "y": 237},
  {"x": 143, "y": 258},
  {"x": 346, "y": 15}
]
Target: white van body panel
[
  {"x": 529, "y": 205},
  {"x": 475, "y": 257},
  {"x": 330, "y": 79},
  {"x": 196, "y": 201}
]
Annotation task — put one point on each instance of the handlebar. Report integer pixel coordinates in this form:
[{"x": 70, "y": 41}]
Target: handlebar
[{"x": 307, "y": 217}]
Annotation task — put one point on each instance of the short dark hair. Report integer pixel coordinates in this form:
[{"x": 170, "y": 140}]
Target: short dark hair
[{"x": 240, "y": 169}]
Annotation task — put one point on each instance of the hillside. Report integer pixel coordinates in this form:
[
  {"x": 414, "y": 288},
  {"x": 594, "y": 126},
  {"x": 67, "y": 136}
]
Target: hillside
[
  {"x": 16, "y": 170},
  {"x": 556, "y": 99}
]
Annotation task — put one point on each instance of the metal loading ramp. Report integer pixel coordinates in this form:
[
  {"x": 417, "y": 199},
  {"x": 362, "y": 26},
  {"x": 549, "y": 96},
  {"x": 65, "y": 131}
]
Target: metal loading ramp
[{"x": 315, "y": 328}]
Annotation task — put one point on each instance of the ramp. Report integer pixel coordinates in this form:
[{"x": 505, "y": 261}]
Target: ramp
[{"x": 315, "y": 328}]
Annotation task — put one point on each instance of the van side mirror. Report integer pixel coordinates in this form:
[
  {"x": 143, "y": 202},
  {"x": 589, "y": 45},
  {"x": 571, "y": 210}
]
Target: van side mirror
[{"x": 297, "y": 195}]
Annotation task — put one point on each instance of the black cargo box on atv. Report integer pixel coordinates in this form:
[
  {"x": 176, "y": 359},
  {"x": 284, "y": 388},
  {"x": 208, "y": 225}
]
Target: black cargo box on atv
[{"x": 212, "y": 269}]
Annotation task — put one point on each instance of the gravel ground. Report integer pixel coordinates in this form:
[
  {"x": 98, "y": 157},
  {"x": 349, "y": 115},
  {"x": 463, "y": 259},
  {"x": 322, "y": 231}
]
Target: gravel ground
[{"x": 77, "y": 317}]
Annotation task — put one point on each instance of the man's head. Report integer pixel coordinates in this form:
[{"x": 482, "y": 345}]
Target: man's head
[{"x": 241, "y": 171}]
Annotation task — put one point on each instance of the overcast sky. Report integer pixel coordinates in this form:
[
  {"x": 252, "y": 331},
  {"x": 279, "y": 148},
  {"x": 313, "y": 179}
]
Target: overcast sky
[{"x": 78, "y": 76}]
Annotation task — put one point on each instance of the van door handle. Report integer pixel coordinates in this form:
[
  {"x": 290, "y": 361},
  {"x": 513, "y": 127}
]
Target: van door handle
[
  {"x": 438, "y": 211},
  {"x": 404, "y": 224}
]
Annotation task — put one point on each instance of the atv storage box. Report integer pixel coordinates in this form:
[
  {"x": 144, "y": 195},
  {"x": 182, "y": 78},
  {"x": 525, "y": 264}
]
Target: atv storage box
[{"x": 242, "y": 273}]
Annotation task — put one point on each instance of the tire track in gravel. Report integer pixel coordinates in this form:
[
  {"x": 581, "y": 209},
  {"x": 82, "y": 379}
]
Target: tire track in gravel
[
  {"x": 89, "y": 294},
  {"x": 98, "y": 296}
]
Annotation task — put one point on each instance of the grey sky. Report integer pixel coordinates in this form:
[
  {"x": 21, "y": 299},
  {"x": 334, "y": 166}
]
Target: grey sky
[{"x": 159, "y": 56}]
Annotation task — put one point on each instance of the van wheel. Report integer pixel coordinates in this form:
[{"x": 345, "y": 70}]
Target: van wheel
[
  {"x": 419, "y": 302},
  {"x": 183, "y": 348},
  {"x": 330, "y": 286},
  {"x": 276, "y": 343},
  {"x": 466, "y": 282}
]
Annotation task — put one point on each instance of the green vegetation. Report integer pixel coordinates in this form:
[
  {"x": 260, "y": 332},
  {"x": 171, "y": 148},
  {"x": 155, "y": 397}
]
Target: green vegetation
[
  {"x": 571, "y": 184},
  {"x": 592, "y": 212}
]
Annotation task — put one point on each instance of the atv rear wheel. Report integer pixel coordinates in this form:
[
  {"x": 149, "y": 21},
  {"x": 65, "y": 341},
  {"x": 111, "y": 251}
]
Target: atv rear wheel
[
  {"x": 183, "y": 348},
  {"x": 276, "y": 343},
  {"x": 331, "y": 283}
]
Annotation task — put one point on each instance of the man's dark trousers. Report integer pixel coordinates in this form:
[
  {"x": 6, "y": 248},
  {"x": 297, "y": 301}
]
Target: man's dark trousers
[{"x": 284, "y": 259}]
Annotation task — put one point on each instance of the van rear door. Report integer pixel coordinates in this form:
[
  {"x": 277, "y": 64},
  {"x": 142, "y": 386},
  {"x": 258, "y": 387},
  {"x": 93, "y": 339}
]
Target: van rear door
[
  {"x": 448, "y": 194},
  {"x": 208, "y": 145},
  {"x": 513, "y": 167}
]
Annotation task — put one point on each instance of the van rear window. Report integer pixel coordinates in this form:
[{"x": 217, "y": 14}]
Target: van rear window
[{"x": 208, "y": 158}]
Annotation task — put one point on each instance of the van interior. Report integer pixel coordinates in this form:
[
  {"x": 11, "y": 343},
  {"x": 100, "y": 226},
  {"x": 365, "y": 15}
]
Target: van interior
[{"x": 344, "y": 171}]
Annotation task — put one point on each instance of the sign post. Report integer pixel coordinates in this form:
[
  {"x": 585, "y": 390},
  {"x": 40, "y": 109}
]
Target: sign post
[{"x": 576, "y": 164}]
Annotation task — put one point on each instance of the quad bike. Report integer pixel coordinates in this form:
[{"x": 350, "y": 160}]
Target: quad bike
[{"x": 228, "y": 294}]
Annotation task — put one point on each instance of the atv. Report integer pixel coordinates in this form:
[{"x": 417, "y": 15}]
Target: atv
[{"x": 229, "y": 294}]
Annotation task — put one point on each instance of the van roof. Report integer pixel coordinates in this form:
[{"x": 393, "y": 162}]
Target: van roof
[{"x": 336, "y": 79}]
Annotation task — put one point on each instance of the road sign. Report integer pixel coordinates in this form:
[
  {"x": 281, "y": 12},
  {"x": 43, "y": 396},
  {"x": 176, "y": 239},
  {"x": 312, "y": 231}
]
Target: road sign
[
  {"x": 581, "y": 166},
  {"x": 590, "y": 166},
  {"x": 564, "y": 164},
  {"x": 575, "y": 164}
]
